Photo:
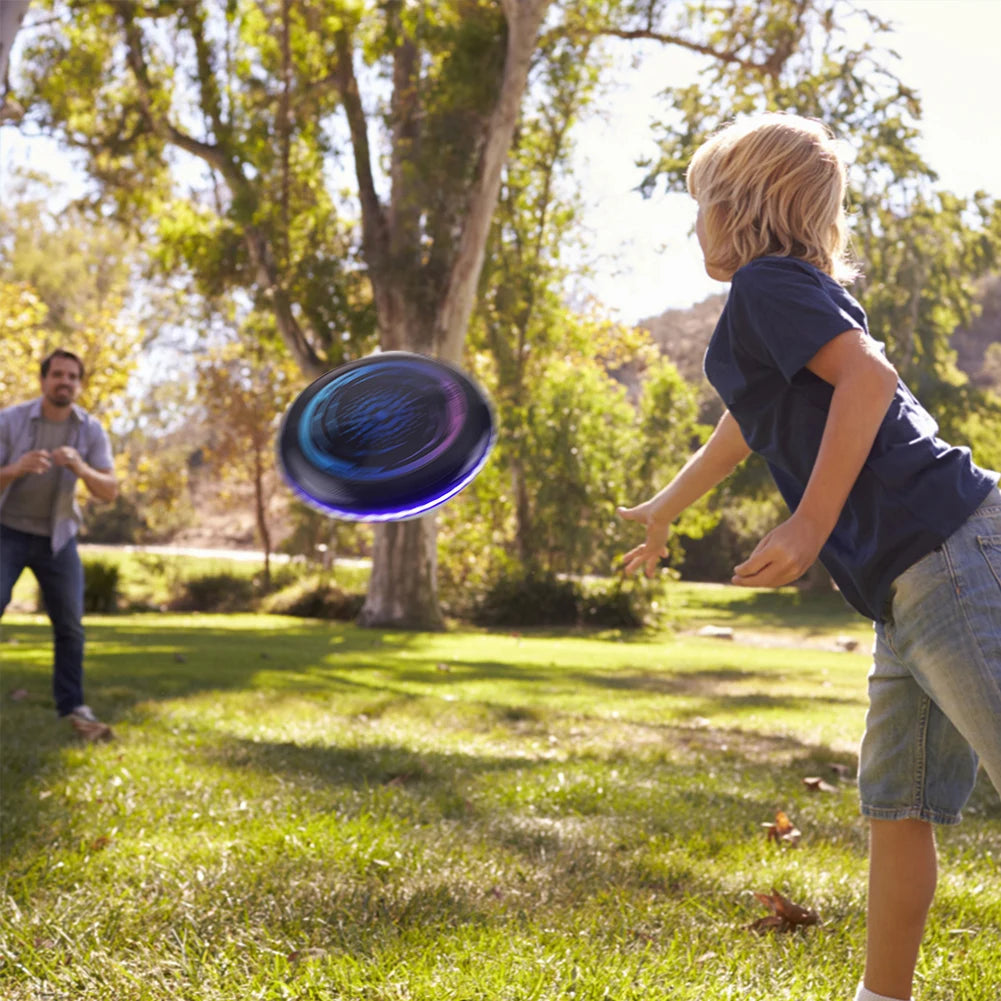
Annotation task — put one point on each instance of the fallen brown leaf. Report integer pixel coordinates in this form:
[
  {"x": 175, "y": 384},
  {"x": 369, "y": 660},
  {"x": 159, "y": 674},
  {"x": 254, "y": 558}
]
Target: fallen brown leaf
[
  {"x": 786, "y": 916},
  {"x": 783, "y": 831},
  {"x": 816, "y": 784}
]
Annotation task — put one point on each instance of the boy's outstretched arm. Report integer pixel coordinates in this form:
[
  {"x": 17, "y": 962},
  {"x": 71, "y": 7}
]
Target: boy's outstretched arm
[
  {"x": 864, "y": 383},
  {"x": 714, "y": 461}
]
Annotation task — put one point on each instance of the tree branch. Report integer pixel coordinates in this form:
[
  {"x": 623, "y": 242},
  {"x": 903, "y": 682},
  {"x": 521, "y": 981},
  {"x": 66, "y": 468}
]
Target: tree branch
[
  {"x": 722, "y": 55},
  {"x": 157, "y": 122},
  {"x": 524, "y": 18},
  {"x": 374, "y": 229}
]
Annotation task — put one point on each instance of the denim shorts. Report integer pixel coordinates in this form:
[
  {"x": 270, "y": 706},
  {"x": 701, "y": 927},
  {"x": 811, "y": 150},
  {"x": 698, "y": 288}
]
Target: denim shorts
[{"x": 935, "y": 684}]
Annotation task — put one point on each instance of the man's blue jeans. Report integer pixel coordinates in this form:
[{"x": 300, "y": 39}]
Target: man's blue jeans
[{"x": 60, "y": 579}]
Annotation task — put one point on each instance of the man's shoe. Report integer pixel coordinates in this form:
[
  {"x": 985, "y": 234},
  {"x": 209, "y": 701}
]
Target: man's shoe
[{"x": 83, "y": 720}]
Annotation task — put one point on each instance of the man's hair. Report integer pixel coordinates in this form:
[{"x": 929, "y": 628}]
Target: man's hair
[
  {"x": 772, "y": 185},
  {"x": 61, "y": 353}
]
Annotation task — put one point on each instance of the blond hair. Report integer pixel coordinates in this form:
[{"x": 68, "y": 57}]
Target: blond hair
[{"x": 772, "y": 185}]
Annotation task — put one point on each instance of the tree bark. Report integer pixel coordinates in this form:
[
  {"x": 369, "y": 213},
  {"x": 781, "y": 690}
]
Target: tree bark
[
  {"x": 403, "y": 589},
  {"x": 11, "y": 14},
  {"x": 261, "y": 511}
]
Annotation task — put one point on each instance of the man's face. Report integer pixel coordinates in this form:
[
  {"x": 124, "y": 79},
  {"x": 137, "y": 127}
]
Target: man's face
[{"x": 61, "y": 384}]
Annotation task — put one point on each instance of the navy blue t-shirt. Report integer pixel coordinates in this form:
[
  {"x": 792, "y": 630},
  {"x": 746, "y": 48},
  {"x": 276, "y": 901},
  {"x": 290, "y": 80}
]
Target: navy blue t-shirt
[{"x": 914, "y": 490}]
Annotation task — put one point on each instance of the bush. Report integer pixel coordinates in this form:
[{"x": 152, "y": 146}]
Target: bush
[
  {"x": 315, "y": 598},
  {"x": 100, "y": 586},
  {"x": 117, "y": 523},
  {"x": 218, "y": 592},
  {"x": 534, "y": 599},
  {"x": 617, "y": 604},
  {"x": 529, "y": 599}
]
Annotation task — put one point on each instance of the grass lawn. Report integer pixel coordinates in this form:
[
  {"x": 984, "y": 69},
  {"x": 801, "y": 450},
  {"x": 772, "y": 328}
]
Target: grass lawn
[{"x": 305, "y": 810}]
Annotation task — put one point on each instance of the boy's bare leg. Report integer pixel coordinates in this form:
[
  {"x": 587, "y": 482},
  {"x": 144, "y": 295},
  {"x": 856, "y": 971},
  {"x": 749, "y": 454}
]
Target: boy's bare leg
[{"x": 902, "y": 875}]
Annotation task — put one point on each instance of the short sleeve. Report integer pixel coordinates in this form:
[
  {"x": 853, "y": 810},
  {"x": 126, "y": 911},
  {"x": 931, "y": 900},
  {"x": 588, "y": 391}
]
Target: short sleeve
[
  {"x": 5, "y": 443},
  {"x": 98, "y": 446},
  {"x": 788, "y": 313}
]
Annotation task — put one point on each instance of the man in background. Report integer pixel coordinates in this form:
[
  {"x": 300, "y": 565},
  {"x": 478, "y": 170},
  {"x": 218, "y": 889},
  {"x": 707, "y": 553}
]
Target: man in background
[{"x": 46, "y": 446}]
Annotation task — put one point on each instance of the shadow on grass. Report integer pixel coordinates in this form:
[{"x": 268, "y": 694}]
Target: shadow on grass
[
  {"x": 464, "y": 795},
  {"x": 142, "y": 659},
  {"x": 147, "y": 659}
]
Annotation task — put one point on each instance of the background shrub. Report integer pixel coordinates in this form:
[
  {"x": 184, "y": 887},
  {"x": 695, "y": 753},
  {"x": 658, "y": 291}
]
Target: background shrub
[
  {"x": 529, "y": 599},
  {"x": 216, "y": 592},
  {"x": 537, "y": 599},
  {"x": 315, "y": 598},
  {"x": 618, "y": 604},
  {"x": 100, "y": 586}
]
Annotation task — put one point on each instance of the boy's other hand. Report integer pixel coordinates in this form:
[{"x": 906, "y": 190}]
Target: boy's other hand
[
  {"x": 649, "y": 553},
  {"x": 782, "y": 556}
]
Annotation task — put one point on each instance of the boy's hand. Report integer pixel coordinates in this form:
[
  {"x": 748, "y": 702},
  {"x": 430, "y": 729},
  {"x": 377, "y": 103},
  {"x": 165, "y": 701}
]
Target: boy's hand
[
  {"x": 648, "y": 554},
  {"x": 782, "y": 556}
]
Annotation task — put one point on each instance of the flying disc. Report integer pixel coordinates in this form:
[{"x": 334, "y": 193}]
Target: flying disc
[{"x": 385, "y": 438}]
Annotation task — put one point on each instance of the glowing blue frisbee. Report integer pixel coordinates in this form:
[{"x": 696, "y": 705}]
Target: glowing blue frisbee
[{"x": 385, "y": 438}]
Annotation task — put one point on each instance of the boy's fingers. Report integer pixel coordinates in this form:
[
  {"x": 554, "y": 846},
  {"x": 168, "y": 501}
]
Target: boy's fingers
[{"x": 752, "y": 566}]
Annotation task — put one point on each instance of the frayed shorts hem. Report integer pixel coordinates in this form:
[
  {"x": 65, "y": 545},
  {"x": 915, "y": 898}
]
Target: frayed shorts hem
[{"x": 944, "y": 818}]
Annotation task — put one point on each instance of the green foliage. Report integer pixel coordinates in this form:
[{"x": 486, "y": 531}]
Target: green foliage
[
  {"x": 314, "y": 597},
  {"x": 578, "y": 425},
  {"x": 922, "y": 258},
  {"x": 65, "y": 282},
  {"x": 100, "y": 586},
  {"x": 668, "y": 432},
  {"x": 526, "y": 599},
  {"x": 530, "y": 599},
  {"x": 920, "y": 250},
  {"x": 117, "y": 523},
  {"x": 474, "y": 538},
  {"x": 322, "y": 539},
  {"x": 969, "y": 416},
  {"x": 618, "y": 603},
  {"x": 743, "y": 518},
  {"x": 216, "y": 592}
]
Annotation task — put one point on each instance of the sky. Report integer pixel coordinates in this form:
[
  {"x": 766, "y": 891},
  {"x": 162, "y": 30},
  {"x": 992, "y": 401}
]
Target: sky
[
  {"x": 650, "y": 260},
  {"x": 647, "y": 258}
]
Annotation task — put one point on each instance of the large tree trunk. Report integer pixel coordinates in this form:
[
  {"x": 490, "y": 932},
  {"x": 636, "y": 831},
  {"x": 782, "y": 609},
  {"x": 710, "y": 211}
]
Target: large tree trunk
[
  {"x": 403, "y": 590},
  {"x": 11, "y": 13}
]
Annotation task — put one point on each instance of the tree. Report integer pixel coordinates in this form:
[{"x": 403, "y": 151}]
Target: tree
[
  {"x": 106, "y": 346},
  {"x": 267, "y": 96},
  {"x": 244, "y": 388},
  {"x": 278, "y": 103},
  {"x": 66, "y": 282},
  {"x": 921, "y": 250}
]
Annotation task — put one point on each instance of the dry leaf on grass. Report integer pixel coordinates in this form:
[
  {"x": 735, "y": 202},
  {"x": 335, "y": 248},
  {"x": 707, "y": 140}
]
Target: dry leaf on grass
[
  {"x": 785, "y": 916},
  {"x": 816, "y": 784},
  {"x": 783, "y": 831}
]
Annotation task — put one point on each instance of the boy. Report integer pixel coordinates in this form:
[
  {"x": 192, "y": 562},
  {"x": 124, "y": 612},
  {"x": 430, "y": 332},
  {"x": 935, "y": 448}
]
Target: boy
[{"x": 908, "y": 526}]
